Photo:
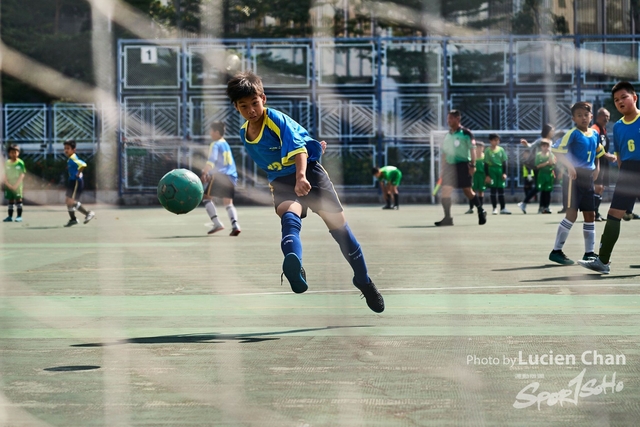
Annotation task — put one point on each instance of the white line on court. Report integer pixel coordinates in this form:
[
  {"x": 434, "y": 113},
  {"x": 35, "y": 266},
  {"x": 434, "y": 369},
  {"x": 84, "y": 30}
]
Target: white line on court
[{"x": 463, "y": 288}]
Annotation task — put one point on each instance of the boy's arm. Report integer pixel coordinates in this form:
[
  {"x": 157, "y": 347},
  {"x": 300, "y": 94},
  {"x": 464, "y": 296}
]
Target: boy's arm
[
  {"x": 562, "y": 159},
  {"x": 303, "y": 186},
  {"x": 19, "y": 181},
  {"x": 472, "y": 165}
]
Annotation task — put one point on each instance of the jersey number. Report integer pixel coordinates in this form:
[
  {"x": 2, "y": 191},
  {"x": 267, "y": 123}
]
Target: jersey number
[
  {"x": 631, "y": 145},
  {"x": 275, "y": 166},
  {"x": 588, "y": 156},
  {"x": 227, "y": 158}
]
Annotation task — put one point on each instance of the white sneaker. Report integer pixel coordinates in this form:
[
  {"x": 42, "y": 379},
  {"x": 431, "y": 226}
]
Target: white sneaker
[
  {"x": 215, "y": 229},
  {"x": 495, "y": 211},
  {"x": 505, "y": 212},
  {"x": 523, "y": 207},
  {"x": 596, "y": 265},
  {"x": 89, "y": 217}
]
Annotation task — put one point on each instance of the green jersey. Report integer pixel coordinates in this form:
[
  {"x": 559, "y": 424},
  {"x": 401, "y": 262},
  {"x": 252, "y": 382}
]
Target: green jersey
[
  {"x": 390, "y": 175},
  {"x": 13, "y": 171},
  {"x": 495, "y": 158},
  {"x": 457, "y": 146},
  {"x": 546, "y": 177},
  {"x": 542, "y": 158},
  {"x": 479, "y": 176}
]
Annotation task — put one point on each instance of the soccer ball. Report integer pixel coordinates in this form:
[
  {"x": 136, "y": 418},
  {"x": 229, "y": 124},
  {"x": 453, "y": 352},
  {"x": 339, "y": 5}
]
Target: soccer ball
[{"x": 180, "y": 191}]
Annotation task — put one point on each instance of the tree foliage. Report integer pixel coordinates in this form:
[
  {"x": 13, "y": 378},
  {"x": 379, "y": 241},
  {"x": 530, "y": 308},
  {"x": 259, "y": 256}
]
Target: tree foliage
[
  {"x": 534, "y": 18},
  {"x": 55, "y": 33}
]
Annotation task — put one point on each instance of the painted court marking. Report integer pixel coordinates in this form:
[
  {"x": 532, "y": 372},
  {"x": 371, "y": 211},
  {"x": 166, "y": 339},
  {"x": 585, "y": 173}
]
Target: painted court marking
[{"x": 608, "y": 285}]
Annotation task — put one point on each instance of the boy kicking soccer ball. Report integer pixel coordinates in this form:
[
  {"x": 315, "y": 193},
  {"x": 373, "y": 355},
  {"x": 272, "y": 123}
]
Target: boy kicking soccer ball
[{"x": 290, "y": 157}]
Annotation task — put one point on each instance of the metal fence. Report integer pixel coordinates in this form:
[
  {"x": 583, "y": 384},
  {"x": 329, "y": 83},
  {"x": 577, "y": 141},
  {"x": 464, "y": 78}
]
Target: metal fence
[{"x": 388, "y": 94}]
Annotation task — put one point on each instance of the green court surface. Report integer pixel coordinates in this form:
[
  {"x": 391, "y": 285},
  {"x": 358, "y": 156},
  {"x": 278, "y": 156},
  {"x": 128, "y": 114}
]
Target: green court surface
[{"x": 140, "y": 318}]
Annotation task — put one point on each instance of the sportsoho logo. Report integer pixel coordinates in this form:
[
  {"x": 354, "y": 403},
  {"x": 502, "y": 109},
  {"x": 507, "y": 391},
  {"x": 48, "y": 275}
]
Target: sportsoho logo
[{"x": 579, "y": 387}]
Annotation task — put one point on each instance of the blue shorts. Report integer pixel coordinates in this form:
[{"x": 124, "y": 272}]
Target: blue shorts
[
  {"x": 75, "y": 188},
  {"x": 322, "y": 197}
]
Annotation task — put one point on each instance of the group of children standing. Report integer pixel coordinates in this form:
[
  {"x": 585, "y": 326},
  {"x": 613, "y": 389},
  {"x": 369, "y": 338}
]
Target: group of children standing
[{"x": 13, "y": 184}]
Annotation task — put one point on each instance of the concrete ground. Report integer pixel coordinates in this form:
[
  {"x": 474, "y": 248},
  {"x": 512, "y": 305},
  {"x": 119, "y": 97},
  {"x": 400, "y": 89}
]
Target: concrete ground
[{"x": 140, "y": 318}]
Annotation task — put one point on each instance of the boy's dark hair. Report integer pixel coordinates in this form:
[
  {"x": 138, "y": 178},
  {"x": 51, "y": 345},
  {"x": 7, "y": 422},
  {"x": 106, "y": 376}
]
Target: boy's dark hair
[
  {"x": 494, "y": 136},
  {"x": 580, "y": 106},
  {"x": 545, "y": 141},
  {"x": 455, "y": 113},
  {"x": 479, "y": 144},
  {"x": 243, "y": 85},
  {"x": 546, "y": 129},
  {"x": 218, "y": 127},
  {"x": 375, "y": 170},
  {"x": 623, "y": 86},
  {"x": 71, "y": 143},
  {"x": 13, "y": 147}
]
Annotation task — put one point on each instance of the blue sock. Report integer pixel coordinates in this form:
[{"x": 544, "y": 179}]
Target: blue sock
[
  {"x": 291, "y": 225},
  {"x": 352, "y": 252}
]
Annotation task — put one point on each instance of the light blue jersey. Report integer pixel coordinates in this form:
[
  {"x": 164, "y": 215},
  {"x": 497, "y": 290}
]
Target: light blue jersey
[
  {"x": 581, "y": 148},
  {"x": 221, "y": 160},
  {"x": 626, "y": 136},
  {"x": 73, "y": 165},
  {"x": 280, "y": 139}
]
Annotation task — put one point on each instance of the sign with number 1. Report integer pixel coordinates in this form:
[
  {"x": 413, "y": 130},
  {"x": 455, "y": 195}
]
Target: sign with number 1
[{"x": 149, "y": 55}]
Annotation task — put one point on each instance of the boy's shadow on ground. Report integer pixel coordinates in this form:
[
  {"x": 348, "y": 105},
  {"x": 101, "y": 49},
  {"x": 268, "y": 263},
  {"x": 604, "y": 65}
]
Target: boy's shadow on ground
[{"x": 213, "y": 338}]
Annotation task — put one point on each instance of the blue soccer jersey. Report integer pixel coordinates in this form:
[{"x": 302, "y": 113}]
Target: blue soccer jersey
[
  {"x": 221, "y": 159},
  {"x": 280, "y": 139},
  {"x": 73, "y": 165},
  {"x": 581, "y": 148},
  {"x": 625, "y": 137}
]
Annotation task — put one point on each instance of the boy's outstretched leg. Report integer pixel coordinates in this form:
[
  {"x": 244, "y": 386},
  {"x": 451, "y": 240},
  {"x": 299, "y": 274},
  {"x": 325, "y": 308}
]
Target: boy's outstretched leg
[
  {"x": 352, "y": 252},
  {"x": 292, "y": 250}
]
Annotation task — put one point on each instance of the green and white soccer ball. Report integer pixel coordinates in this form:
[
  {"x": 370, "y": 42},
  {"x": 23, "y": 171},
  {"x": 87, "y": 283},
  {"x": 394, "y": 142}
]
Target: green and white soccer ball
[{"x": 180, "y": 191}]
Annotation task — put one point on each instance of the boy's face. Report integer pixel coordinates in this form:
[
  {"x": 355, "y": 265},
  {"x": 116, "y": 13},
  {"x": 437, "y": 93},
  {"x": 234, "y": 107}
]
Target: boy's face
[
  {"x": 215, "y": 135},
  {"x": 582, "y": 118},
  {"x": 13, "y": 155},
  {"x": 494, "y": 142},
  {"x": 625, "y": 102},
  {"x": 479, "y": 150},
  {"x": 251, "y": 107},
  {"x": 68, "y": 151},
  {"x": 544, "y": 148}
]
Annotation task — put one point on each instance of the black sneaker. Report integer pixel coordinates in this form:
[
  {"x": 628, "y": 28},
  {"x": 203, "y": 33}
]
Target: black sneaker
[
  {"x": 589, "y": 255},
  {"x": 71, "y": 222},
  {"x": 371, "y": 295},
  {"x": 295, "y": 274},
  {"x": 443, "y": 222},
  {"x": 387, "y": 207},
  {"x": 559, "y": 257},
  {"x": 482, "y": 216},
  {"x": 599, "y": 218}
]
